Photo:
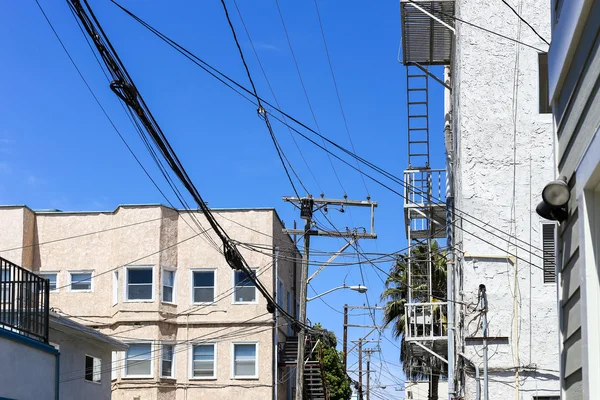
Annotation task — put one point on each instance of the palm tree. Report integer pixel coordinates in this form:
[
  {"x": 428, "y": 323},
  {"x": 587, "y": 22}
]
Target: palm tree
[{"x": 396, "y": 296}]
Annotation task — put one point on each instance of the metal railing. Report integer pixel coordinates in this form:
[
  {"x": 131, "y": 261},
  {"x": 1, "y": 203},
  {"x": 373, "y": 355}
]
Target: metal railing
[
  {"x": 24, "y": 301},
  {"x": 426, "y": 320},
  {"x": 424, "y": 187}
]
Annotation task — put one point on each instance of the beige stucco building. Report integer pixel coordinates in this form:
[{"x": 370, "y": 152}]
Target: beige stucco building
[{"x": 146, "y": 275}]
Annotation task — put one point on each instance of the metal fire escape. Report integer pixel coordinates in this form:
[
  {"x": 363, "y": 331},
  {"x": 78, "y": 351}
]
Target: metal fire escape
[{"x": 427, "y": 38}]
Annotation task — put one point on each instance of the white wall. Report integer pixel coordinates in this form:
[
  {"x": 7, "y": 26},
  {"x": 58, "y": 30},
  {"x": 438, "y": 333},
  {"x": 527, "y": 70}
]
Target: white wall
[
  {"x": 503, "y": 158},
  {"x": 26, "y": 372}
]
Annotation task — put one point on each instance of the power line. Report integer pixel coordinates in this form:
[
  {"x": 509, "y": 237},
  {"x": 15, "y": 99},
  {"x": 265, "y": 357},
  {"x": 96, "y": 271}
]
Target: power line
[
  {"x": 289, "y": 42},
  {"x": 526, "y": 23},
  {"x": 435, "y": 11},
  {"x": 273, "y": 94},
  {"x": 222, "y": 78},
  {"x": 262, "y": 113},
  {"x": 337, "y": 92}
]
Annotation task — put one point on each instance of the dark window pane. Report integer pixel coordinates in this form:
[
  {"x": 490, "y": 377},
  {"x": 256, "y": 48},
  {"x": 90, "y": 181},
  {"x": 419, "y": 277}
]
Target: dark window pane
[
  {"x": 204, "y": 278},
  {"x": 167, "y": 293},
  {"x": 242, "y": 279},
  {"x": 81, "y": 281},
  {"x": 89, "y": 368},
  {"x": 244, "y": 293},
  {"x": 140, "y": 292},
  {"x": 204, "y": 295},
  {"x": 140, "y": 275}
]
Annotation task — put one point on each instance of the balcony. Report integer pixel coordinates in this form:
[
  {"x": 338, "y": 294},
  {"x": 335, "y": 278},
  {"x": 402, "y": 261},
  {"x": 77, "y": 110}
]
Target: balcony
[
  {"x": 426, "y": 323},
  {"x": 24, "y": 298},
  {"x": 425, "y": 40},
  {"x": 425, "y": 203}
]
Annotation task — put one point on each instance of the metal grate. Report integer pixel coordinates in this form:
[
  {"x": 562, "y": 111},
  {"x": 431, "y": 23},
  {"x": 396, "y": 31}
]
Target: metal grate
[
  {"x": 549, "y": 250},
  {"x": 424, "y": 40}
]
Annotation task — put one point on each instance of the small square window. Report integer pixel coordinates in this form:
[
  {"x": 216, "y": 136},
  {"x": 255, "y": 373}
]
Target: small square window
[
  {"x": 93, "y": 369},
  {"x": 139, "y": 283},
  {"x": 168, "y": 285},
  {"x": 81, "y": 281},
  {"x": 203, "y": 286},
  {"x": 203, "y": 361},
  {"x": 245, "y": 290},
  {"x": 245, "y": 360},
  {"x": 167, "y": 360},
  {"x": 51, "y": 277},
  {"x": 138, "y": 361}
]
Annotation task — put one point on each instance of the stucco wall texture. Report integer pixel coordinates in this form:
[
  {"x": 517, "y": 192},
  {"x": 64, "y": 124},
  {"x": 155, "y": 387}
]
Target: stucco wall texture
[
  {"x": 158, "y": 236},
  {"x": 503, "y": 156}
]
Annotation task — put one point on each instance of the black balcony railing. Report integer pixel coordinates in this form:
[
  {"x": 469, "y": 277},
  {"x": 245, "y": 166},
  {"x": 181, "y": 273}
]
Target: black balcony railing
[{"x": 24, "y": 298}]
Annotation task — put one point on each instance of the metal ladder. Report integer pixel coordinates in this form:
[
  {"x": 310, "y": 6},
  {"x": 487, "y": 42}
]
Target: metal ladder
[{"x": 417, "y": 96}]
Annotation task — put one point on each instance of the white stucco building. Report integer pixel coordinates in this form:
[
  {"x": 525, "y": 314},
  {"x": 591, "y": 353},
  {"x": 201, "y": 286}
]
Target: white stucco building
[
  {"x": 194, "y": 327},
  {"x": 498, "y": 137}
]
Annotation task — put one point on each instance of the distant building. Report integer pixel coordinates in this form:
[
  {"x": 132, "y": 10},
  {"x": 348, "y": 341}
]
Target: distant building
[
  {"x": 45, "y": 355},
  {"x": 419, "y": 390},
  {"x": 148, "y": 276},
  {"x": 574, "y": 76}
]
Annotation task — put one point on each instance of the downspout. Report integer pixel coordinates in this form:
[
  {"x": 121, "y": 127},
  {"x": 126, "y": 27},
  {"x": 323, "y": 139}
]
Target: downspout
[
  {"x": 275, "y": 314},
  {"x": 57, "y": 385},
  {"x": 449, "y": 233},
  {"x": 477, "y": 388}
]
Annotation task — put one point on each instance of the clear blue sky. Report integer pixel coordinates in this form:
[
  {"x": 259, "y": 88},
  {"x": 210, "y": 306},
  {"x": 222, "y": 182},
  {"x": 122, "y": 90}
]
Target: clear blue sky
[{"x": 57, "y": 149}]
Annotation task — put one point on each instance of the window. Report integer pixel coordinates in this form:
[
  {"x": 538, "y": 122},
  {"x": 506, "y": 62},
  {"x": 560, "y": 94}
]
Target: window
[
  {"x": 168, "y": 285},
  {"x": 81, "y": 281},
  {"x": 115, "y": 287},
  {"x": 544, "y": 90},
  {"x": 138, "y": 362},
  {"x": 5, "y": 291},
  {"x": 203, "y": 361},
  {"x": 139, "y": 283},
  {"x": 549, "y": 252},
  {"x": 203, "y": 286},
  {"x": 50, "y": 276},
  {"x": 93, "y": 369},
  {"x": 245, "y": 360},
  {"x": 245, "y": 290},
  {"x": 546, "y": 397},
  {"x": 166, "y": 360}
]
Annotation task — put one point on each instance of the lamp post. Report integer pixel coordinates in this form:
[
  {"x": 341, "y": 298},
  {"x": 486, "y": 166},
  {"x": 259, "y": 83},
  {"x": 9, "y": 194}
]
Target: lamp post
[{"x": 357, "y": 288}]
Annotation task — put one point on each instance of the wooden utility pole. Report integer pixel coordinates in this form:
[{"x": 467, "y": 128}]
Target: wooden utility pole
[
  {"x": 307, "y": 208},
  {"x": 345, "y": 336},
  {"x": 360, "y": 370}
]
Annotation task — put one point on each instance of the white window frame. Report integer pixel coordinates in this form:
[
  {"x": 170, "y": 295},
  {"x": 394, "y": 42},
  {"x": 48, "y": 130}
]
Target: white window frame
[
  {"x": 162, "y": 344},
  {"x": 214, "y": 271},
  {"x": 162, "y": 285},
  {"x": 245, "y": 377},
  {"x": 126, "y": 284},
  {"x": 152, "y": 357},
  {"x": 82, "y": 271},
  {"x": 42, "y": 273},
  {"x": 115, "y": 291},
  {"x": 233, "y": 300},
  {"x": 114, "y": 365},
  {"x": 98, "y": 382},
  {"x": 191, "y": 366}
]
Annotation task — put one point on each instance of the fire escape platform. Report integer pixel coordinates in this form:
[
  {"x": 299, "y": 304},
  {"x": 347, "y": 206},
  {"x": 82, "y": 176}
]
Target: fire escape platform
[
  {"x": 421, "y": 227},
  {"x": 426, "y": 328},
  {"x": 426, "y": 41}
]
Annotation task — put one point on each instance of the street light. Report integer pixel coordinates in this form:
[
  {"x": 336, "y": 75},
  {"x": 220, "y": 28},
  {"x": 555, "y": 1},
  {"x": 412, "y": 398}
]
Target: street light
[{"x": 358, "y": 288}]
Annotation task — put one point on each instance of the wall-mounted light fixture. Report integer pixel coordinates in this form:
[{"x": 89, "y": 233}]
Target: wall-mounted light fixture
[{"x": 555, "y": 198}]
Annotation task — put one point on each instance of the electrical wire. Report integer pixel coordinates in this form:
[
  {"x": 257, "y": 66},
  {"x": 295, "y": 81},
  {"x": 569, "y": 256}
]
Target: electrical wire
[
  {"x": 224, "y": 79},
  {"x": 525, "y": 22}
]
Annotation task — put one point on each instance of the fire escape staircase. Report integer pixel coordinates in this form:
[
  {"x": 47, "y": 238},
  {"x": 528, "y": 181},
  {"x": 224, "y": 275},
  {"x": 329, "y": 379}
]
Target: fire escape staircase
[
  {"x": 314, "y": 379},
  {"x": 427, "y": 40}
]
